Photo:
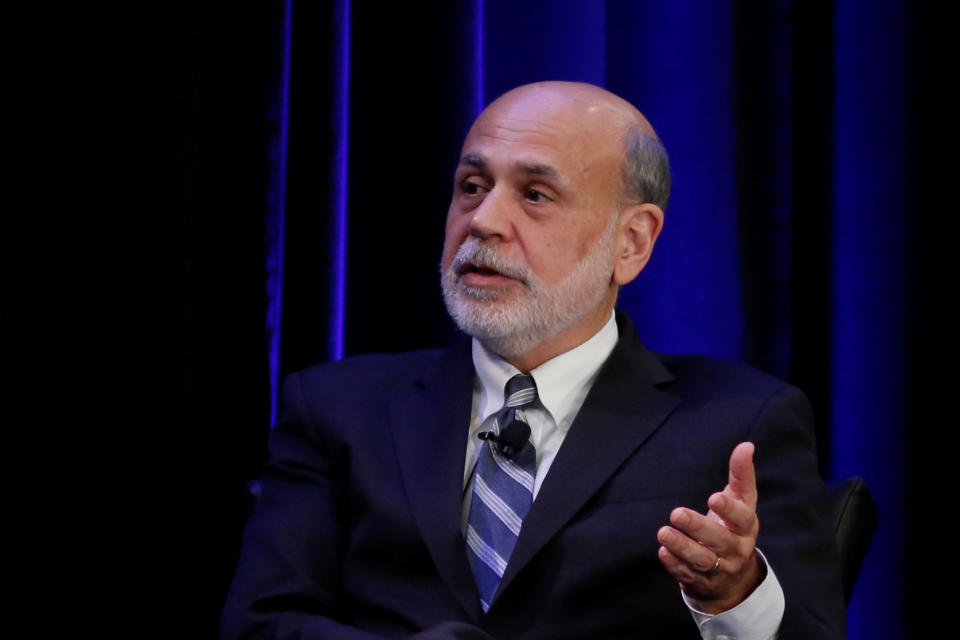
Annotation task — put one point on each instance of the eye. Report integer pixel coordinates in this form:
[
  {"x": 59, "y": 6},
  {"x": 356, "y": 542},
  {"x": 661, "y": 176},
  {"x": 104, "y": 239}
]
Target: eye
[
  {"x": 535, "y": 195},
  {"x": 472, "y": 188}
]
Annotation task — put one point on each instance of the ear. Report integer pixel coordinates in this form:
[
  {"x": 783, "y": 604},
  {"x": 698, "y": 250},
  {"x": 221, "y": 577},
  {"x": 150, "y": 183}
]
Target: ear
[{"x": 637, "y": 231}]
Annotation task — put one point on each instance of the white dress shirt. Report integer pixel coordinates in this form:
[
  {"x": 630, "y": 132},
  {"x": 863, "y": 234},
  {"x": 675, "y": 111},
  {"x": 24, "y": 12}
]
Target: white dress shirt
[{"x": 562, "y": 385}]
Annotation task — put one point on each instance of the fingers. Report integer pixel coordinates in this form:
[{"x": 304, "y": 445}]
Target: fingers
[
  {"x": 742, "y": 482},
  {"x": 735, "y": 515},
  {"x": 699, "y": 540},
  {"x": 717, "y": 581},
  {"x": 714, "y": 591},
  {"x": 680, "y": 570},
  {"x": 687, "y": 551},
  {"x": 727, "y": 520},
  {"x": 702, "y": 531}
]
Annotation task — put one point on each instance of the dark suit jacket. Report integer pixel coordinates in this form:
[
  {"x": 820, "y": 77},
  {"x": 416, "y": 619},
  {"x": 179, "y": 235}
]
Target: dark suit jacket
[{"x": 357, "y": 534}]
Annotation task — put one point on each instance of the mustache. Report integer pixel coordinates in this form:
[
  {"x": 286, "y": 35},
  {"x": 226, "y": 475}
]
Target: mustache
[{"x": 473, "y": 253}]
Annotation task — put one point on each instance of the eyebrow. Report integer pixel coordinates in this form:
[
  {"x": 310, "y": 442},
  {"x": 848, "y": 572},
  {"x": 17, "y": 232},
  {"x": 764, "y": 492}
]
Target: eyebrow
[
  {"x": 473, "y": 160},
  {"x": 535, "y": 168},
  {"x": 529, "y": 168}
]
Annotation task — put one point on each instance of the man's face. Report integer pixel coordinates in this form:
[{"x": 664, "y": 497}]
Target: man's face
[{"x": 531, "y": 225}]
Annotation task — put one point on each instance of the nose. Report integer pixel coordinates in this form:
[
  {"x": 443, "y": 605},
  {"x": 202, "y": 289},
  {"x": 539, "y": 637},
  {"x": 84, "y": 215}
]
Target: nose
[{"x": 494, "y": 217}]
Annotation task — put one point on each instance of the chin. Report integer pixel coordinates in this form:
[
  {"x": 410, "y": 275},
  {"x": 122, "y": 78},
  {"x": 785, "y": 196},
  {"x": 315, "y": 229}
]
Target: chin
[
  {"x": 513, "y": 320},
  {"x": 499, "y": 324}
]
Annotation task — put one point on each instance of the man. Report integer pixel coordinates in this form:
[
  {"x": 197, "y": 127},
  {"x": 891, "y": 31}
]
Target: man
[{"x": 546, "y": 481}]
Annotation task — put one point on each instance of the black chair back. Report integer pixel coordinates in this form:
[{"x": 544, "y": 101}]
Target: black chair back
[{"x": 853, "y": 515}]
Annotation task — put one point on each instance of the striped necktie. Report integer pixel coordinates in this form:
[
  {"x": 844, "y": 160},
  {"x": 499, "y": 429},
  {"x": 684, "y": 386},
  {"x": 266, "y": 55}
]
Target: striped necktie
[{"x": 502, "y": 490}]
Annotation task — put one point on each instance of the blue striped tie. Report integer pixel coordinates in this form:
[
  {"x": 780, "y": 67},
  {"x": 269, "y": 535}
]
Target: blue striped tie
[{"x": 502, "y": 492}]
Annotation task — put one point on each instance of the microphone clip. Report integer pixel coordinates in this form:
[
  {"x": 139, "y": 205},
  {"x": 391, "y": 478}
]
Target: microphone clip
[{"x": 511, "y": 440}]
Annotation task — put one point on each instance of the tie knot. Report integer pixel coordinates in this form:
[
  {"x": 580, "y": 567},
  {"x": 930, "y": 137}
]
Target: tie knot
[{"x": 520, "y": 391}]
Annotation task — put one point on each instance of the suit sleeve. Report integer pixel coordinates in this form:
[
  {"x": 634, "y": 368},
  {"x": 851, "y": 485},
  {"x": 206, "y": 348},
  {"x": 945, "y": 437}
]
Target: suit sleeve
[
  {"x": 287, "y": 582},
  {"x": 793, "y": 533},
  {"x": 287, "y": 577}
]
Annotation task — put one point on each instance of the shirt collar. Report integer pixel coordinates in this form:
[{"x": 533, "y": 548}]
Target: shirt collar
[{"x": 558, "y": 379}]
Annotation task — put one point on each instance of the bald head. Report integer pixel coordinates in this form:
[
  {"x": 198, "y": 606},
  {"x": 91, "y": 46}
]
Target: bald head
[
  {"x": 603, "y": 119},
  {"x": 581, "y": 99}
]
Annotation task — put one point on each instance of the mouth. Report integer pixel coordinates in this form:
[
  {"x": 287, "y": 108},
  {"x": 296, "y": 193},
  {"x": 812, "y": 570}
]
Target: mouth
[
  {"x": 481, "y": 275},
  {"x": 479, "y": 269}
]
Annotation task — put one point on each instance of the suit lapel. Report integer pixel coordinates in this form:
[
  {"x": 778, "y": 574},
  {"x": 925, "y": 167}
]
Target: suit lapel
[
  {"x": 622, "y": 410},
  {"x": 429, "y": 424}
]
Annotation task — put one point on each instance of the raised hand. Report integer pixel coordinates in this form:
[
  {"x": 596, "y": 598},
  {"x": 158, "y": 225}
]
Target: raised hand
[{"x": 713, "y": 556}]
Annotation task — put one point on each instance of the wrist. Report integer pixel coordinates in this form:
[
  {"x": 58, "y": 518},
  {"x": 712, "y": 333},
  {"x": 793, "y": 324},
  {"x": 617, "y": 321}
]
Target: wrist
[{"x": 751, "y": 577}]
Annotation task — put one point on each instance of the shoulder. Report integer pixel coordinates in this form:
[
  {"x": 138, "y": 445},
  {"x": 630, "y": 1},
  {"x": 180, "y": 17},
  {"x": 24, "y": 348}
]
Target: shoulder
[
  {"x": 724, "y": 388},
  {"x": 374, "y": 368},
  {"x": 694, "y": 378},
  {"x": 710, "y": 377},
  {"x": 369, "y": 373},
  {"x": 347, "y": 394}
]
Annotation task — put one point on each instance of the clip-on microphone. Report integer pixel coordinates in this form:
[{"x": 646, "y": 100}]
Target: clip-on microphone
[{"x": 511, "y": 440}]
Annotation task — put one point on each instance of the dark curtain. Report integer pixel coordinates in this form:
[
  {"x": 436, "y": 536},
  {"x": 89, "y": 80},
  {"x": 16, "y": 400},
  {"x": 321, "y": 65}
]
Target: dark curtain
[{"x": 222, "y": 194}]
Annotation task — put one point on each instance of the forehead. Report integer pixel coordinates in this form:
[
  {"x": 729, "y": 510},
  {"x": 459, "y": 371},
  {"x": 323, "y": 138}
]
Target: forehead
[{"x": 571, "y": 138}]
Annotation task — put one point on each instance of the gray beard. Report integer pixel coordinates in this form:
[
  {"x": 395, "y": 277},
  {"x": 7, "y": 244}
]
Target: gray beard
[{"x": 512, "y": 323}]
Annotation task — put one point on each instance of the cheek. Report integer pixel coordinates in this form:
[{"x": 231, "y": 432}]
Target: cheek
[
  {"x": 553, "y": 254},
  {"x": 550, "y": 258}
]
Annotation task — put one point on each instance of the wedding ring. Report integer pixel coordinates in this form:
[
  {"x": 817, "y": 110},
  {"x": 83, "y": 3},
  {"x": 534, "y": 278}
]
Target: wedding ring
[{"x": 716, "y": 567}]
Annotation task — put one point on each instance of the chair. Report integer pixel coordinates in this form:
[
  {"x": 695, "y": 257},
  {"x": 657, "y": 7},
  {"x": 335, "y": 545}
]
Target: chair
[{"x": 852, "y": 513}]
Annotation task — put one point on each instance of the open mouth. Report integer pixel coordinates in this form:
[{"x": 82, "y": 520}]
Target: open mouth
[
  {"x": 478, "y": 269},
  {"x": 483, "y": 276}
]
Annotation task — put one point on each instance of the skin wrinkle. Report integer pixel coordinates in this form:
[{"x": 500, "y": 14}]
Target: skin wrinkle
[
  {"x": 474, "y": 160},
  {"x": 533, "y": 126},
  {"x": 581, "y": 153}
]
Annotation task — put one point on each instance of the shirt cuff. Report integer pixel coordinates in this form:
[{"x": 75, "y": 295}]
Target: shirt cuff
[{"x": 756, "y": 618}]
